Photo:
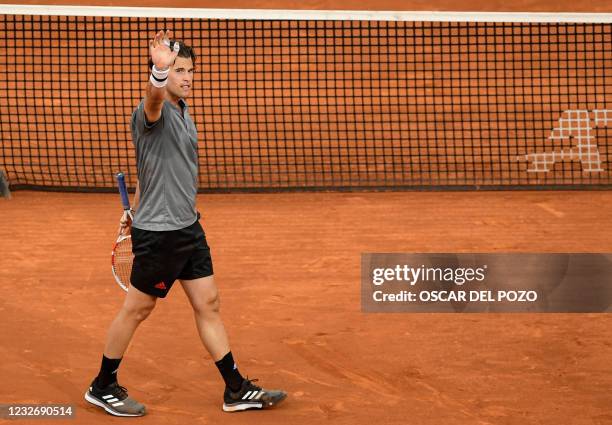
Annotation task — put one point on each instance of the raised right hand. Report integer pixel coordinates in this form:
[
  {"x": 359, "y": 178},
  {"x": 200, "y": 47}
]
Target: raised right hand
[{"x": 161, "y": 55}]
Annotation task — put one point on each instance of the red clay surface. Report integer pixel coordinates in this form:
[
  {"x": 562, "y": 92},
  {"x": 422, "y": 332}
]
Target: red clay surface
[{"x": 288, "y": 269}]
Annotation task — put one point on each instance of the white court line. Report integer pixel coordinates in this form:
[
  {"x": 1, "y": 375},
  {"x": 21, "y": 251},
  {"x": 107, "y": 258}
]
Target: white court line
[{"x": 295, "y": 14}]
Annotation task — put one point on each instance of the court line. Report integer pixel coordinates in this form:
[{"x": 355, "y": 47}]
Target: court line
[{"x": 282, "y": 14}]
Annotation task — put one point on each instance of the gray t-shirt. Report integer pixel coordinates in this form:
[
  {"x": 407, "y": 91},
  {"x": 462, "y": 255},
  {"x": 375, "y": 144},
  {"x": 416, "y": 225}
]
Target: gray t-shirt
[{"x": 167, "y": 160}]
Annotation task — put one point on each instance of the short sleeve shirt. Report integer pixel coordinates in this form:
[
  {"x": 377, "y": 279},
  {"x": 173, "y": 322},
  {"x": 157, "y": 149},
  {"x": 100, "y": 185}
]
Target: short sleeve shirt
[{"x": 167, "y": 161}]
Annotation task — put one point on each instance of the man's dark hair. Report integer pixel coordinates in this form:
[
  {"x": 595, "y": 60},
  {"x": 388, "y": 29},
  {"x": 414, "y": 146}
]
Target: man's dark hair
[{"x": 185, "y": 51}]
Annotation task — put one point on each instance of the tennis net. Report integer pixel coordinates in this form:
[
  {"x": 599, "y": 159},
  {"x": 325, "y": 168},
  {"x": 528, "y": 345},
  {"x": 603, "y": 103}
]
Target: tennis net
[{"x": 302, "y": 101}]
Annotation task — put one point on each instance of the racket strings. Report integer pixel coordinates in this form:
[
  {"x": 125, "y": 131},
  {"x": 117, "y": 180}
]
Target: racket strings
[{"x": 122, "y": 261}]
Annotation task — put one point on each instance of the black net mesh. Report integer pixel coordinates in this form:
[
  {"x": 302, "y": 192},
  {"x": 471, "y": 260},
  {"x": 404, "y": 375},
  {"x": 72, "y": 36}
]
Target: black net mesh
[{"x": 315, "y": 104}]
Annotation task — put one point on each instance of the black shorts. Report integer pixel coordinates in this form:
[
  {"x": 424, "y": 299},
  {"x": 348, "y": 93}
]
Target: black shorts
[{"x": 160, "y": 258}]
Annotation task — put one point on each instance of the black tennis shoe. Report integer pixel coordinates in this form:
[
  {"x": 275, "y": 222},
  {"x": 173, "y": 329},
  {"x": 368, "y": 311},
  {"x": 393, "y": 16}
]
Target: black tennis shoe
[
  {"x": 250, "y": 396},
  {"x": 114, "y": 399}
]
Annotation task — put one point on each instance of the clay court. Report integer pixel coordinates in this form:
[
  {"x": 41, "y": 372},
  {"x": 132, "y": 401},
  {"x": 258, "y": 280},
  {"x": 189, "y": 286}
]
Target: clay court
[{"x": 288, "y": 269}]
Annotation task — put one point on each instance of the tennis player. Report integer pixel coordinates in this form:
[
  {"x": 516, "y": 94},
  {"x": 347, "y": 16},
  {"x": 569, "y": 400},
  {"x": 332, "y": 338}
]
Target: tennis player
[{"x": 168, "y": 241}]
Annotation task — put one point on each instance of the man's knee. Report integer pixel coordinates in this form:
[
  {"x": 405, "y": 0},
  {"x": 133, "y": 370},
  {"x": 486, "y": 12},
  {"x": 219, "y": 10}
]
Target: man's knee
[
  {"x": 139, "y": 312},
  {"x": 207, "y": 302}
]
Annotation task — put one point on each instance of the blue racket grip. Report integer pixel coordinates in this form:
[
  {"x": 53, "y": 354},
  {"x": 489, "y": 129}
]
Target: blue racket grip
[{"x": 125, "y": 200}]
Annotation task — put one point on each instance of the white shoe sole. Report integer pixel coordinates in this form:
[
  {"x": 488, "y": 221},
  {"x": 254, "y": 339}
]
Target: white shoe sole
[
  {"x": 241, "y": 406},
  {"x": 95, "y": 402},
  {"x": 247, "y": 406}
]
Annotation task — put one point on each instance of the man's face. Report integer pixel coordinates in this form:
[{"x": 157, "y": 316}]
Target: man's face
[{"x": 180, "y": 77}]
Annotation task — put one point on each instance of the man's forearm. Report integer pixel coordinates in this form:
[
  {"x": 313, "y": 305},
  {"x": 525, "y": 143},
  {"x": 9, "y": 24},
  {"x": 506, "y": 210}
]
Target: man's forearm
[{"x": 156, "y": 95}]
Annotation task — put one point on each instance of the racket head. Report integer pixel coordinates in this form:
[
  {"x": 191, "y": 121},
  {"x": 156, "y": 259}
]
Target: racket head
[{"x": 122, "y": 260}]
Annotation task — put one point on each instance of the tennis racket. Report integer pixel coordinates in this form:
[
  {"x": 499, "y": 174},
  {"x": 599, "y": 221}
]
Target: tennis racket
[{"x": 122, "y": 257}]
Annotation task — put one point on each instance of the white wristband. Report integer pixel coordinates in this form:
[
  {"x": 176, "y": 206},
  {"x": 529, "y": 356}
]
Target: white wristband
[
  {"x": 159, "y": 78},
  {"x": 158, "y": 83},
  {"x": 160, "y": 73}
]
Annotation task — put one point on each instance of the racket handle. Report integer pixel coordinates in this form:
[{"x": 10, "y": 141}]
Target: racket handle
[{"x": 125, "y": 200}]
